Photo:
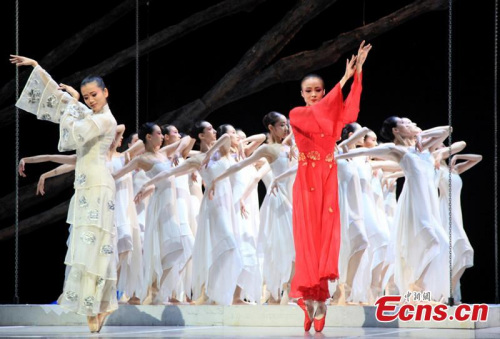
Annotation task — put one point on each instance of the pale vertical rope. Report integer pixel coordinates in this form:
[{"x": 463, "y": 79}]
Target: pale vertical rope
[
  {"x": 495, "y": 150},
  {"x": 16, "y": 246},
  {"x": 450, "y": 35},
  {"x": 137, "y": 66}
]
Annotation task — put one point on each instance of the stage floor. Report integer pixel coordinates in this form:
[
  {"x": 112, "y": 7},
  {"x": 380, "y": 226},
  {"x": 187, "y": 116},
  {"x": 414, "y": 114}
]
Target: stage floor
[{"x": 240, "y": 332}]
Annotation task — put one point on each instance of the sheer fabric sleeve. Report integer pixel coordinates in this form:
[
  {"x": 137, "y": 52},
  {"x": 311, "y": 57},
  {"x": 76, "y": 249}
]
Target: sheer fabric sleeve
[
  {"x": 329, "y": 110},
  {"x": 351, "y": 104},
  {"x": 78, "y": 127},
  {"x": 42, "y": 97}
]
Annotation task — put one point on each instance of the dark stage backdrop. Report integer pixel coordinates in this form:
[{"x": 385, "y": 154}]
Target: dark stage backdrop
[{"x": 406, "y": 75}]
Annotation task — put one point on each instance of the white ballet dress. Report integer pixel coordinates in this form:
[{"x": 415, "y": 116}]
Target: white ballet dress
[
  {"x": 217, "y": 262},
  {"x": 276, "y": 241}
]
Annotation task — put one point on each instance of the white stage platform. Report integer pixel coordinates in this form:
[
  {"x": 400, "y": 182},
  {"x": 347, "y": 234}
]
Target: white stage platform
[{"x": 207, "y": 315}]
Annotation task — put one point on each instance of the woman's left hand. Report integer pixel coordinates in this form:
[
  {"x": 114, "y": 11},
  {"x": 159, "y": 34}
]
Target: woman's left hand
[
  {"x": 71, "y": 91},
  {"x": 362, "y": 54}
]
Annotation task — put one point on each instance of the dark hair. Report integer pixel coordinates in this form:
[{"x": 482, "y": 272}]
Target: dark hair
[
  {"x": 349, "y": 128},
  {"x": 386, "y": 130},
  {"x": 312, "y": 76},
  {"x": 271, "y": 118},
  {"x": 196, "y": 129},
  {"x": 146, "y": 128},
  {"x": 93, "y": 78},
  {"x": 130, "y": 137},
  {"x": 222, "y": 129},
  {"x": 165, "y": 129}
]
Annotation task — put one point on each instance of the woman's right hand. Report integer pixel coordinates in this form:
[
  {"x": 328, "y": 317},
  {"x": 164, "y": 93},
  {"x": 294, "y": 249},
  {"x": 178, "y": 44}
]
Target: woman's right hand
[
  {"x": 21, "y": 168},
  {"x": 40, "y": 188},
  {"x": 22, "y": 61},
  {"x": 140, "y": 195}
]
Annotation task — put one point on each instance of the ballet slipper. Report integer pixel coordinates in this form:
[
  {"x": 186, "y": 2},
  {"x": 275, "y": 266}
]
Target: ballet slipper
[
  {"x": 307, "y": 313},
  {"x": 93, "y": 323},
  {"x": 319, "y": 319},
  {"x": 284, "y": 299},
  {"x": 101, "y": 317}
]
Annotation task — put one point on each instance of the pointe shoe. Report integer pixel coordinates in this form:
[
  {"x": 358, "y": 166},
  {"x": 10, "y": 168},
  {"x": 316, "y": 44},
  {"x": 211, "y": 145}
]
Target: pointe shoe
[
  {"x": 93, "y": 323},
  {"x": 307, "y": 319},
  {"x": 101, "y": 317},
  {"x": 319, "y": 324}
]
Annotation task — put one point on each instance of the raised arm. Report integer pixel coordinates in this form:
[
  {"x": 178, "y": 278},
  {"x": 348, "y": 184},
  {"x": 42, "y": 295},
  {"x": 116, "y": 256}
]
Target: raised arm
[
  {"x": 223, "y": 144},
  {"x": 432, "y": 138},
  {"x": 444, "y": 153},
  {"x": 58, "y": 158},
  {"x": 353, "y": 139},
  {"x": 134, "y": 164},
  {"x": 385, "y": 165},
  {"x": 190, "y": 165},
  {"x": 182, "y": 149},
  {"x": 262, "y": 152},
  {"x": 385, "y": 151},
  {"x": 471, "y": 160},
  {"x": 65, "y": 168},
  {"x": 136, "y": 149},
  {"x": 251, "y": 143}
]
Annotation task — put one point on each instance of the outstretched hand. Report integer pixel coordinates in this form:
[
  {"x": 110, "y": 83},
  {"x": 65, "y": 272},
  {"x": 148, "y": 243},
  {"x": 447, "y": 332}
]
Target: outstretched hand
[
  {"x": 22, "y": 61},
  {"x": 362, "y": 55},
  {"x": 350, "y": 67},
  {"x": 21, "y": 168}
]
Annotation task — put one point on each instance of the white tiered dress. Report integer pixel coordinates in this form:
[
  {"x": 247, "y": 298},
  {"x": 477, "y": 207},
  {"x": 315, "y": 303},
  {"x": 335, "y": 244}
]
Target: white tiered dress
[{"x": 90, "y": 287}]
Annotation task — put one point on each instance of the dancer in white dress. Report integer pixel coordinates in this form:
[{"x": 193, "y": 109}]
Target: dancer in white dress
[
  {"x": 353, "y": 282},
  {"x": 463, "y": 253},
  {"x": 421, "y": 243},
  {"x": 186, "y": 223},
  {"x": 91, "y": 285},
  {"x": 163, "y": 243},
  {"x": 250, "y": 280},
  {"x": 130, "y": 271},
  {"x": 376, "y": 228},
  {"x": 276, "y": 234}
]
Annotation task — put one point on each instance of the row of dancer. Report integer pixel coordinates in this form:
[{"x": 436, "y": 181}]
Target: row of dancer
[{"x": 399, "y": 246}]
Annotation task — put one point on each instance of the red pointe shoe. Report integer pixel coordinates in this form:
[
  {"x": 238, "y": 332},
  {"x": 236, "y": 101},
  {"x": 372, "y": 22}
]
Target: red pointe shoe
[
  {"x": 319, "y": 324},
  {"x": 307, "y": 320}
]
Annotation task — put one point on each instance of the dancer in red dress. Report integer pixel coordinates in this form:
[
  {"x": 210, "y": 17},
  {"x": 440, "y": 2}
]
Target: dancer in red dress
[{"x": 316, "y": 223}]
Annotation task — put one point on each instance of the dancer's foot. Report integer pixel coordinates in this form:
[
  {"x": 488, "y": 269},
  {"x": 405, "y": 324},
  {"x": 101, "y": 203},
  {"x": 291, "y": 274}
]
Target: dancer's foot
[
  {"x": 134, "y": 301},
  {"x": 240, "y": 302},
  {"x": 284, "y": 298},
  {"x": 308, "y": 308},
  {"x": 101, "y": 317},
  {"x": 93, "y": 323},
  {"x": 320, "y": 316}
]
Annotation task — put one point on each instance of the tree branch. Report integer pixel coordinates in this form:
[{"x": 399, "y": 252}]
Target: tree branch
[
  {"x": 256, "y": 58},
  {"x": 28, "y": 198},
  {"x": 295, "y": 66},
  {"x": 33, "y": 223}
]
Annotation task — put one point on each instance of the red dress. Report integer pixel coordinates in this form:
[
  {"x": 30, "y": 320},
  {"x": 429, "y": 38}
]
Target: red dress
[{"x": 316, "y": 221}]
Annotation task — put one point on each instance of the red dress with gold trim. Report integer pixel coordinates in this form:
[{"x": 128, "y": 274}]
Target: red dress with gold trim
[{"x": 316, "y": 219}]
